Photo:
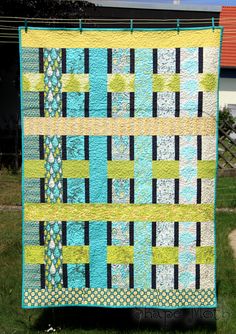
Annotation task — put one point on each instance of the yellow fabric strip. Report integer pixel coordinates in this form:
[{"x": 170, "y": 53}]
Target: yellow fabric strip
[
  {"x": 75, "y": 168},
  {"x": 166, "y": 82},
  {"x": 119, "y": 126},
  {"x": 205, "y": 255},
  {"x": 165, "y": 255},
  {"x": 33, "y": 82},
  {"x": 75, "y": 82},
  {"x": 120, "y": 254},
  {"x": 75, "y": 254},
  {"x": 118, "y": 212},
  {"x": 120, "y": 39},
  {"x": 206, "y": 169},
  {"x": 120, "y": 169},
  {"x": 121, "y": 82},
  {"x": 34, "y": 254},
  {"x": 70, "y": 168},
  {"x": 165, "y": 169}
]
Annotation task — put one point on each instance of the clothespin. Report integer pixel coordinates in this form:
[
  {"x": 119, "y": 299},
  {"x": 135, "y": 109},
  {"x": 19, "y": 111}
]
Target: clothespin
[
  {"x": 178, "y": 25},
  {"x": 213, "y": 23},
  {"x": 80, "y": 26},
  {"x": 26, "y": 26},
  {"x": 131, "y": 26}
]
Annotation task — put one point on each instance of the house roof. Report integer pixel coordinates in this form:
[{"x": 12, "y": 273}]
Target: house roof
[
  {"x": 147, "y": 4},
  {"x": 228, "y": 21}
]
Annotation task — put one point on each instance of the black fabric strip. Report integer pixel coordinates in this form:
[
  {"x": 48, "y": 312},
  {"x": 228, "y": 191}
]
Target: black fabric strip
[
  {"x": 199, "y": 191},
  {"x": 177, "y": 60},
  {"x": 63, "y": 144},
  {"x": 109, "y": 283},
  {"x": 197, "y": 276},
  {"x": 41, "y": 233},
  {"x": 176, "y": 276},
  {"x": 154, "y": 191},
  {"x": 131, "y": 99},
  {"x": 42, "y": 276},
  {"x": 63, "y": 57},
  {"x": 177, "y": 104},
  {"x": 64, "y": 234},
  {"x": 65, "y": 275},
  {"x": 109, "y": 190},
  {"x": 154, "y": 104},
  {"x": 86, "y": 147},
  {"x": 176, "y": 234},
  {"x": 198, "y": 234},
  {"x": 131, "y": 276},
  {"x": 131, "y": 148},
  {"x": 131, "y": 233},
  {"x": 131, "y": 195},
  {"x": 199, "y": 147},
  {"x": 154, "y": 61},
  {"x": 154, "y": 147},
  {"x": 41, "y": 62},
  {"x": 109, "y": 233},
  {"x": 154, "y": 234},
  {"x": 86, "y": 233},
  {"x": 109, "y": 61},
  {"x": 200, "y": 103},
  {"x": 41, "y": 104},
  {"x": 200, "y": 60},
  {"x": 176, "y": 191},
  {"x": 176, "y": 147},
  {"x": 86, "y": 61},
  {"x": 64, "y": 102},
  {"x": 87, "y": 198},
  {"x": 42, "y": 190},
  {"x": 64, "y": 190},
  {"x": 87, "y": 275},
  {"x": 132, "y": 66},
  {"x": 109, "y": 105},
  {"x": 109, "y": 145},
  {"x": 41, "y": 147},
  {"x": 154, "y": 274},
  {"x": 86, "y": 104}
]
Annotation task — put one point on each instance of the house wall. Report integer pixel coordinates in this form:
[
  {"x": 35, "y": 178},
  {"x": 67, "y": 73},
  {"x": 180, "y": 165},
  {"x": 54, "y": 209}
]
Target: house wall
[{"x": 227, "y": 94}]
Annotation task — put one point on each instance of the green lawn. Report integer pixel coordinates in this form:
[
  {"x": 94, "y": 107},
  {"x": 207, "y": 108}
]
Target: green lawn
[{"x": 14, "y": 320}]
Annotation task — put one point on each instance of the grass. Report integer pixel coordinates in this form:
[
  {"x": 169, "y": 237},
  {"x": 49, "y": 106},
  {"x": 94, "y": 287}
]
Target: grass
[
  {"x": 15, "y": 320},
  {"x": 10, "y": 188}
]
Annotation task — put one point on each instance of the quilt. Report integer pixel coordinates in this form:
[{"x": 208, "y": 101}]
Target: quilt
[{"x": 119, "y": 137}]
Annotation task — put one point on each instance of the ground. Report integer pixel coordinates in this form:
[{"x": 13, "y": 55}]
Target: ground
[{"x": 14, "y": 320}]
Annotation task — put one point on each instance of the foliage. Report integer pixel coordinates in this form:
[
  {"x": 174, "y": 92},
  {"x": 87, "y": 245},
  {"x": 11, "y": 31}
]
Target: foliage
[{"x": 226, "y": 120}]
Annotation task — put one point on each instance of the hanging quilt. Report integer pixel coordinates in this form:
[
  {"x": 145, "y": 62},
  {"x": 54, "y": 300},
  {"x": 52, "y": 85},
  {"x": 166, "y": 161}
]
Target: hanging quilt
[{"x": 119, "y": 133}]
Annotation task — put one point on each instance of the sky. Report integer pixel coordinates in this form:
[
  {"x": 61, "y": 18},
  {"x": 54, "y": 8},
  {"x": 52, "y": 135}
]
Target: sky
[{"x": 194, "y": 2}]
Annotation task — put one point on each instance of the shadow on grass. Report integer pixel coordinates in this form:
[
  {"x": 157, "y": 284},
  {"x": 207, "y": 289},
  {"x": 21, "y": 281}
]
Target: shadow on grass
[{"x": 121, "y": 320}]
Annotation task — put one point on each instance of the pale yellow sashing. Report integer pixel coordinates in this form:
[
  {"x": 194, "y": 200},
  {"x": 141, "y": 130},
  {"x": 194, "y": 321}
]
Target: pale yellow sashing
[
  {"x": 120, "y": 39},
  {"x": 120, "y": 126},
  {"x": 120, "y": 254},
  {"x": 205, "y": 255},
  {"x": 118, "y": 212},
  {"x": 165, "y": 255}
]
